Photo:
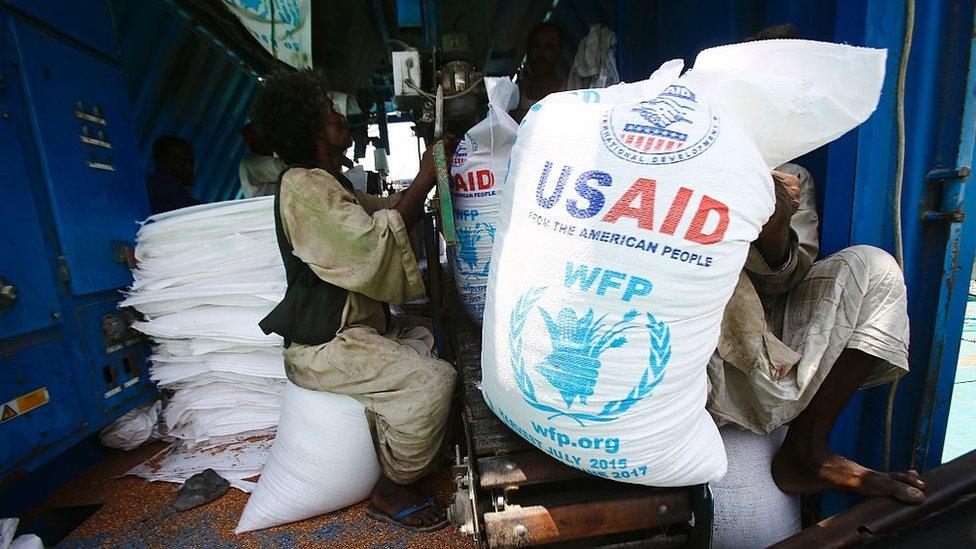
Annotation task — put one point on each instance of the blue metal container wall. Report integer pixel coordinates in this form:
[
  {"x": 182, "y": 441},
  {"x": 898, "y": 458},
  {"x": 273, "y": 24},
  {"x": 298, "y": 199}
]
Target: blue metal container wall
[
  {"x": 183, "y": 82},
  {"x": 149, "y": 70},
  {"x": 77, "y": 104},
  {"x": 937, "y": 74},
  {"x": 53, "y": 339}
]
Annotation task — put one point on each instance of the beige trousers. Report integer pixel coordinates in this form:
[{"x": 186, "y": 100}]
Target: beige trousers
[
  {"x": 407, "y": 392},
  {"x": 854, "y": 299}
]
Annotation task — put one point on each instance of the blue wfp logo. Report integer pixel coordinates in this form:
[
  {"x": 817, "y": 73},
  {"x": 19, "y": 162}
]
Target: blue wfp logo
[
  {"x": 466, "y": 259},
  {"x": 577, "y": 344},
  {"x": 669, "y": 128}
]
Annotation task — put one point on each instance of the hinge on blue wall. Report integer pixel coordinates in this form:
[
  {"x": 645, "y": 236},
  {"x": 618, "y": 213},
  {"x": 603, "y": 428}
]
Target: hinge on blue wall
[{"x": 943, "y": 176}]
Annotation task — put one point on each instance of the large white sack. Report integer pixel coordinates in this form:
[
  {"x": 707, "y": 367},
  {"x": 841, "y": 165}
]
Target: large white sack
[
  {"x": 479, "y": 169},
  {"x": 322, "y": 460},
  {"x": 625, "y": 222},
  {"x": 750, "y": 510}
]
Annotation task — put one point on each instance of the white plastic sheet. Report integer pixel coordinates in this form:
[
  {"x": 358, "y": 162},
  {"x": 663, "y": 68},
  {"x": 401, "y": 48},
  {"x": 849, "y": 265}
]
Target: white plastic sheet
[
  {"x": 235, "y": 457},
  {"x": 206, "y": 276}
]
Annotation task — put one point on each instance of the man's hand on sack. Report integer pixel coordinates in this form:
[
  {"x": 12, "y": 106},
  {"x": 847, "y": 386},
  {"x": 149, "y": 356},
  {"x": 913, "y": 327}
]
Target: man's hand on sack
[
  {"x": 774, "y": 240},
  {"x": 428, "y": 172},
  {"x": 787, "y": 187}
]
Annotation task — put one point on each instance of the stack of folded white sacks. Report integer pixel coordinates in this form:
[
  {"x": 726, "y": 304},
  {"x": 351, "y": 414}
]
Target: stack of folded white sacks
[{"x": 206, "y": 276}]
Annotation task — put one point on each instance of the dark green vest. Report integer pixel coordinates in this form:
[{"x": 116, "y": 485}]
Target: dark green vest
[{"x": 311, "y": 311}]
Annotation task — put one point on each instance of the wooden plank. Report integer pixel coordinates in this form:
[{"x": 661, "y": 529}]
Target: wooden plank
[
  {"x": 523, "y": 469},
  {"x": 499, "y": 442},
  {"x": 538, "y": 524}
]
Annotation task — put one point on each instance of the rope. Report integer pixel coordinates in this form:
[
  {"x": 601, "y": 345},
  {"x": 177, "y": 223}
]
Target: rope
[{"x": 906, "y": 48}]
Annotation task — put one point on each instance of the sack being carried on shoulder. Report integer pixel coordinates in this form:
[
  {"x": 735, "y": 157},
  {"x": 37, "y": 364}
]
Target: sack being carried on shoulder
[{"x": 626, "y": 219}]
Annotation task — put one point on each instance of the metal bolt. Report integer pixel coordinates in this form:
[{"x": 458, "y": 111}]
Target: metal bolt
[
  {"x": 5, "y": 116},
  {"x": 520, "y": 530},
  {"x": 509, "y": 466},
  {"x": 662, "y": 510},
  {"x": 56, "y": 315}
]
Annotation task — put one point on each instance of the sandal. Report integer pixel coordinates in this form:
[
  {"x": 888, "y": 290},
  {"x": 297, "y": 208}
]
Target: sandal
[{"x": 374, "y": 512}]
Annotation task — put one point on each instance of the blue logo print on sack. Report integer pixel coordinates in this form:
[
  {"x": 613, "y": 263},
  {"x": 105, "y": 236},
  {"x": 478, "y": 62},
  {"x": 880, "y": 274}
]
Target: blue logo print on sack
[
  {"x": 669, "y": 128},
  {"x": 573, "y": 365},
  {"x": 286, "y": 11},
  {"x": 466, "y": 258}
]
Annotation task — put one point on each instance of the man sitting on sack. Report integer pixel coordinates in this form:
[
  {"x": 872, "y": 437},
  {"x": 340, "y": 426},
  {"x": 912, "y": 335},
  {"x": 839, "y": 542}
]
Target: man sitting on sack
[
  {"x": 800, "y": 336},
  {"x": 346, "y": 254}
]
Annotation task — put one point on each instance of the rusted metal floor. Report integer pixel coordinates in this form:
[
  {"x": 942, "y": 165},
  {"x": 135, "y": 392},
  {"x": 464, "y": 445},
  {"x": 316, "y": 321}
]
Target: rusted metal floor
[{"x": 134, "y": 515}]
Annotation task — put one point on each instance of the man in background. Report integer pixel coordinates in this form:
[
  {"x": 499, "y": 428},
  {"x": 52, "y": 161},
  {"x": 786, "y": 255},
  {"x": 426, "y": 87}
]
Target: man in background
[
  {"x": 260, "y": 169},
  {"x": 543, "y": 52},
  {"x": 169, "y": 185}
]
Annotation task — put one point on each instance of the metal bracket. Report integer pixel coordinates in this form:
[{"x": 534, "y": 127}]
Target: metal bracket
[
  {"x": 943, "y": 176},
  {"x": 939, "y": 175},
  {"x": 952, "y": 217}
]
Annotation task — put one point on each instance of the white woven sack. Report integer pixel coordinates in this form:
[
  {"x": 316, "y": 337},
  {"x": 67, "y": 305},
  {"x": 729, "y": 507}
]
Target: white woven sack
[
  {"x": 750, "y": 510},
  {"x": 478, "y": 171},
  {"x": 626, "y": 220},
  {"x": 322, "y": 460}
]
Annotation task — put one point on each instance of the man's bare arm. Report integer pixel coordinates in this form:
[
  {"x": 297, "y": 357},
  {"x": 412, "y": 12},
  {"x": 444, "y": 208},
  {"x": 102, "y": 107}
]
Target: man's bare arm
[{"x": 411, "y": 202}]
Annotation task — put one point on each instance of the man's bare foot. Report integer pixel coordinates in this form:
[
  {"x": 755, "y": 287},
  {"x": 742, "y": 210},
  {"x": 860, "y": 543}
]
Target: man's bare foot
[
  {"x": 390, "y": 499},
  {"x": 806, "y": 472}
]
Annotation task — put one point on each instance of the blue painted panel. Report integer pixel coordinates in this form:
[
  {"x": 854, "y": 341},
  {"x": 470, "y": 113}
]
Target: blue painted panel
[
  {"x": 119, "y": 371},
  {"x": 89, "y": 22},
  {"x": 92, "y": 207},
  {"x": 43, "y": 364},
  {"x": 23, "y": 261},
  {"x": 956, "y": 150}
]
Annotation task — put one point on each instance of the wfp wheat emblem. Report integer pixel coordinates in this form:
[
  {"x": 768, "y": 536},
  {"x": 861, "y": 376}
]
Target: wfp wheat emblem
[
  {"x": 578, "y": 342},
  {"x": 466, "y": 259}
]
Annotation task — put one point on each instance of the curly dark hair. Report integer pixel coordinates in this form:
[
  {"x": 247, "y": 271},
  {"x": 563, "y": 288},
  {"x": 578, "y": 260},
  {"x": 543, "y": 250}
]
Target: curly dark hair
[{"x": 288, "y": 110}]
